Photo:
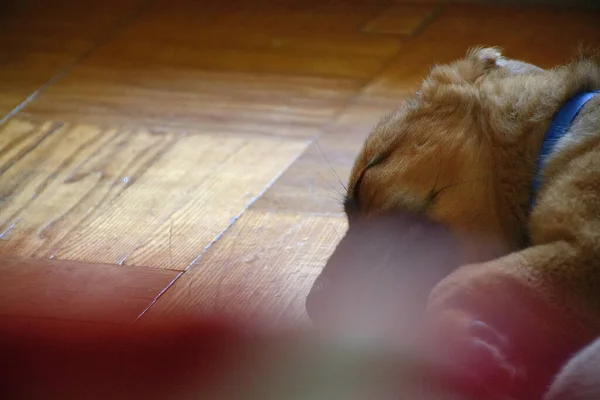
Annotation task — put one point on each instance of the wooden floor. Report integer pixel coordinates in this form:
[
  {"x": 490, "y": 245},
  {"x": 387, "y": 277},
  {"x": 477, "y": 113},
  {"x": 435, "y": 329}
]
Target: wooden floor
[{"x": 162, "y": 158}]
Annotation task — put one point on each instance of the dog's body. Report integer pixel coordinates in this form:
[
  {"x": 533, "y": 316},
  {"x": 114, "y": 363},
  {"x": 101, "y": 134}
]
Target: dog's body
[{"x": 462, "y": 152}]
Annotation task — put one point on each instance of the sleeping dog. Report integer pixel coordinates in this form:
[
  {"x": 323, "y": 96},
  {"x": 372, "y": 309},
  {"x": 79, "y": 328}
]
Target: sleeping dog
[{"x": 481, "y": 195}]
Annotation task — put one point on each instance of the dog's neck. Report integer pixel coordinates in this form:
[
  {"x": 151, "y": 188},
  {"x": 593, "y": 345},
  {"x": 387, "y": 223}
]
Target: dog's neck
[
  {"x": 518, "y": 119},
  {"x": 559, "y": 126}
]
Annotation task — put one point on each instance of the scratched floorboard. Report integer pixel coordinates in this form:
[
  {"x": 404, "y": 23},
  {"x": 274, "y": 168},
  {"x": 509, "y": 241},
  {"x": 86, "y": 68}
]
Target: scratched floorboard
[
  {"x": 83, "y": 193},
  {"x": 261, "y": 269},
  {"x": 80, "y": 293}
]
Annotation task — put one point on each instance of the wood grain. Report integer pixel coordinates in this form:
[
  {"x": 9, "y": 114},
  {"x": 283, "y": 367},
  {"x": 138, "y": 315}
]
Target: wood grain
[
  {"x": 40, "y": 39},
  {"x": 235, "y": 60},
  {"x": 401, "y": 19},
  {"x": 254, "y": 34},
  {"x": 77, "y": 291},
  {"x": 262, "y": 268},
  {"x": 191, "y": 99},
  {"x": 134, "y": 198},
  {"x": 295, "y": 15},
  {"x": 542, "y": 36},
  {"x": 276, "y": 69}
]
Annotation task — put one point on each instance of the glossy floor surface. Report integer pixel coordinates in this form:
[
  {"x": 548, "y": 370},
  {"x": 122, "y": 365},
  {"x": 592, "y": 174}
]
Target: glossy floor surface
[{"x": 176, "y": 157}]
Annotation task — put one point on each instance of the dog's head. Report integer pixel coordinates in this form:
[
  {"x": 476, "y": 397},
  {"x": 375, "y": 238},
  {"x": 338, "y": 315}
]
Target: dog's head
[{"x": 421, "y": 190}]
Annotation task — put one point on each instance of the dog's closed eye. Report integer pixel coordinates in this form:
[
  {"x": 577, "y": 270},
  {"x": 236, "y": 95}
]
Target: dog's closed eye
[{"x": 352, "y": 202}]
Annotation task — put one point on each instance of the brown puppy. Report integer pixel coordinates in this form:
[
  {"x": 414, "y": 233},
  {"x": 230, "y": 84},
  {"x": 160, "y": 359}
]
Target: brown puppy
[{"x": 461, "y": 153}]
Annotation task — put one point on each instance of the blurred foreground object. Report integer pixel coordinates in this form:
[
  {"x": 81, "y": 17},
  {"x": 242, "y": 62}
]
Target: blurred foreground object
[{"x": 211, "y": 359}]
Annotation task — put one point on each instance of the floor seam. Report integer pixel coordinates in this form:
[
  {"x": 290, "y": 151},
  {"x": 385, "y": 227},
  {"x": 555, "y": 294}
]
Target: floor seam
[
  {"x": 385, "y": 64},
  {"x": 227, "y": 228},
  {"x": 104, "y": 39}
]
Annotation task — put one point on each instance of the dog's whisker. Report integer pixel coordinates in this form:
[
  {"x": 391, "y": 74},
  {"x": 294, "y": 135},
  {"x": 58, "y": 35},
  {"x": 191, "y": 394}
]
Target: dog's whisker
[
  {"x": 330, "y": 165},
  {"x": 332, "y": 187},
  {"x": 337, "y": 200}
]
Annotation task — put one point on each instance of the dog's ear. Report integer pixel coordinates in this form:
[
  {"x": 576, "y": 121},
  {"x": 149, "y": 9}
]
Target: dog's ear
[
  {"x": 477, "y": 63},
  {"x": 490, "y": 59},
  {"x": 484, "y": 58}
]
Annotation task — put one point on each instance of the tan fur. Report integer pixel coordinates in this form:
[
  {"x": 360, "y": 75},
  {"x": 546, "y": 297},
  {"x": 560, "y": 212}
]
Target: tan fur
[{"x": 463, "y": 152}]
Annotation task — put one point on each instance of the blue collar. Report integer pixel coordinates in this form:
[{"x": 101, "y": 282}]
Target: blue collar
[{"x": 560, "y": 125}]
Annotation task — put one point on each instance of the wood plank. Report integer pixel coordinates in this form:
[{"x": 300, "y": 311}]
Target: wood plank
[
  {"x": 189, "y": 65},
  {"x": 243, "y": 37},
  {"x": 315, "y": 183},
  {"x": 23, "y": 138},
  {"x": 78, "y": 291},
  {"x": 39, "y": 39},
  {"x": 401, "y": 19},
  {"x": 295, "y": 15},
  {"x": 315, "y": 17},
  {"x": 62, "y": 17},
  {"x": 129, "y": 197},
  {"x": 224, "y": 59},
  {"x": 542, "y": 36},
  {"x": 183, "y": 98},
  {"x": 263, "y": 267}
]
